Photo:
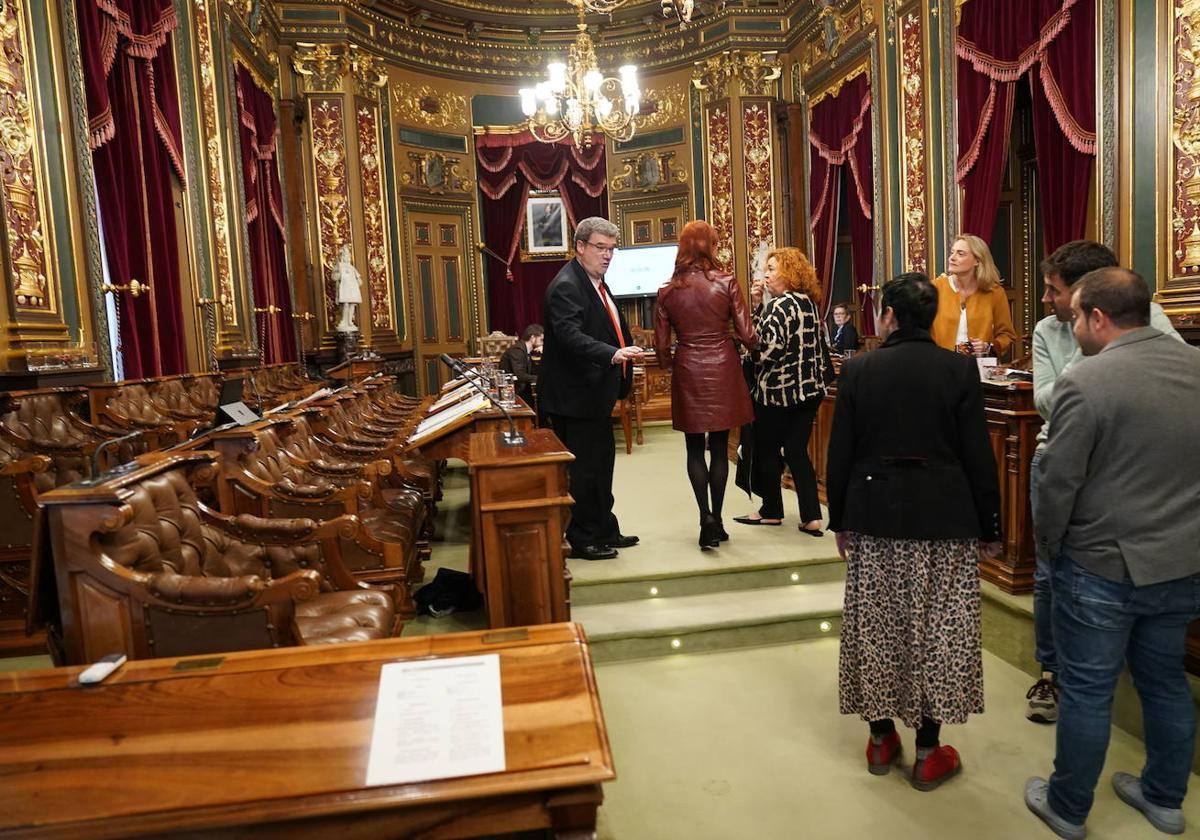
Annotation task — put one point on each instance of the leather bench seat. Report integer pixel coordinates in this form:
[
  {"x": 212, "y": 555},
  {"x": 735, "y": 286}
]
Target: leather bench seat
[{"x": 358, "y": 616}]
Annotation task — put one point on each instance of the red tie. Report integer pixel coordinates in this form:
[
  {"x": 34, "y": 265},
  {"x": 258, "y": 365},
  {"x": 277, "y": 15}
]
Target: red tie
[{"x": 612, "y": 313}]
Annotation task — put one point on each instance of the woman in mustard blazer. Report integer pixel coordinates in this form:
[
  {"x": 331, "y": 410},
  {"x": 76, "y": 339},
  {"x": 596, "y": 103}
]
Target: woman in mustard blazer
[{"x": 972, "y": 314}]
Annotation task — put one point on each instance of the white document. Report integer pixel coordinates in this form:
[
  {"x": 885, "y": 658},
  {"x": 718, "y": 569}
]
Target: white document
[
  {"x": 448, "y": 415},
  {"x": 437, "y": 719},
  {"x": 985, "y": 363}
]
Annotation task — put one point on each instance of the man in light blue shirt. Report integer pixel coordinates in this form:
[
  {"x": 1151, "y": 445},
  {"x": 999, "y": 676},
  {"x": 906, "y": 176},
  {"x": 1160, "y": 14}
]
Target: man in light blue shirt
[{"x": 1054, "y": 351}]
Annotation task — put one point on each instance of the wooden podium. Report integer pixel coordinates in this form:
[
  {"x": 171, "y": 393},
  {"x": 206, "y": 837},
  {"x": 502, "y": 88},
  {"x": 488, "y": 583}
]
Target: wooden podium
[
  {"x": 519, "y": 510},
  {"x": 275, "y": 743}
]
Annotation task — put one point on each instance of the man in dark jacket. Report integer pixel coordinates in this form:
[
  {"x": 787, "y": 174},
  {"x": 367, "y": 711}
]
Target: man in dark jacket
[
  {"x": 587, "y": 365},
  {"x": 517, "y": 360}
]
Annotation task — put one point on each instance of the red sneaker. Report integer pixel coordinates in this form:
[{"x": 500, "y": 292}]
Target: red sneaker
[
  {"x": 935, "y": 768},
  {"x": 883, "y": 754}
]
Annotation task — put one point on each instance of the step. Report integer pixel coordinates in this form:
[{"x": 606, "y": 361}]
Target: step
[
  {"x": 652, "y": 627},
  {"x": 699, "y": 579}
]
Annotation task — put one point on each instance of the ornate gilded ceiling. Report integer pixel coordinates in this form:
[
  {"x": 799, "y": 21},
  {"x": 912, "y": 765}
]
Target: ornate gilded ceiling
[{"x": 505, "y": 39}]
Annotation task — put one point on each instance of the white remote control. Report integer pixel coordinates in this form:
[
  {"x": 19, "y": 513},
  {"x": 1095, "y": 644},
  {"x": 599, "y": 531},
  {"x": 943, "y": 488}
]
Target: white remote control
[{"x": 99, "y": 671}]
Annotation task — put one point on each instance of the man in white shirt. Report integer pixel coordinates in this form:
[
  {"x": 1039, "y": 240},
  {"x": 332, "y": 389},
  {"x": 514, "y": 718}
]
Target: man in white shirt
[{"x": 1054, "y": 351}]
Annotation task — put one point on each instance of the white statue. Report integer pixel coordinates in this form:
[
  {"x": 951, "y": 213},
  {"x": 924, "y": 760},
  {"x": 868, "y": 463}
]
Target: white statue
[{"x": 349, "y": 293}]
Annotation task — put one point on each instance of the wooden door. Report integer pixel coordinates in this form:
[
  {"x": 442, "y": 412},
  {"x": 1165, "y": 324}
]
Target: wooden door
[{"x": 440, "y": 287}]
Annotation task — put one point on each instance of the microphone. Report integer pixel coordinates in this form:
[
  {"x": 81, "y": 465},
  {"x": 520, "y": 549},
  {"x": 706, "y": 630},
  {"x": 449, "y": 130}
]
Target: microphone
[
  {"x": 510, "y": 438},
  {"x": 108, "y": 444},
  {"x": 257, "y": 396}
]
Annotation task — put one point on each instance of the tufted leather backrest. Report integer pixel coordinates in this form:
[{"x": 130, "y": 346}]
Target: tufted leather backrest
[
  {"x": 132, "y": 401},
  {"x": 204, "y": 390},
  {"x": 42, "y": 418},
  {"x": 165, "y": 531},
  {"x": 169, "y": 394}
]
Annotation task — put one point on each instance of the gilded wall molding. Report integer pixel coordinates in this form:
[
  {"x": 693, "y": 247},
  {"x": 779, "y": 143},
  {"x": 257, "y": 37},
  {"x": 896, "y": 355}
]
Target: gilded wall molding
[
  {"x": 834, "y": 30},
  {"x": 914, "y": 155},
  {"x": 328, "y": 141},
  {"x": 215, "y": 168},
  {"x": 758, "y": 144},
  {"x": 425, "y": 105},
  {"x": 379, "y": 281},
  {"x": 1185, "y": 140},
  {"x": 720, "y": 181},
  {"x": 32, "y": 280},
  {"x": 86, "y": 184},
  {"x": 1106, "y": 147}
]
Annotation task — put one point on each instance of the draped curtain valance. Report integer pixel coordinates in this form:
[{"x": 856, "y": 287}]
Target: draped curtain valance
[
  {"x": 840, "y": 139},
  {"x": 134, "y": 134},
  {"x": 258, "y": 131},
  {"x": 510, "y": 166},
  {"x": 1052, "y": 43}
]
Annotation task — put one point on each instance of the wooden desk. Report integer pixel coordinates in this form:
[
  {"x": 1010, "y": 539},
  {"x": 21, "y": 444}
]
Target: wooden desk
[
  {"x": 519, "y": 510},
  {"x": 275, "y": 743},
  {"x": 455, "y": 441}
]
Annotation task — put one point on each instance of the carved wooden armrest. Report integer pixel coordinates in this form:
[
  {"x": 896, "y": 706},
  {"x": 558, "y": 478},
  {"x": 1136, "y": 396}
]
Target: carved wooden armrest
[
  {"x": 198, "y": 590},
  {"x": 255, "y": 529},
  {"x": 27, "y": 466}
]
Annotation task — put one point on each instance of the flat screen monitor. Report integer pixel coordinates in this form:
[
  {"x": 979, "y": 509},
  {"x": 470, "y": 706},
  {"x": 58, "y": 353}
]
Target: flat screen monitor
[{"x": 636, "y": 272}]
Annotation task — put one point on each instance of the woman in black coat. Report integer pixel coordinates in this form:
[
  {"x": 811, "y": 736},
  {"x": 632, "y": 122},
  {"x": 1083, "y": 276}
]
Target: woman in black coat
[{"x": 914, "y": 500}]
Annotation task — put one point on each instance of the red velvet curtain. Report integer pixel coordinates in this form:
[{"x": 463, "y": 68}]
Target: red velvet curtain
[
  {"x": 510, "y": 166},
  {"x": 999, "y": 42},
  {"x": 133, "y": 131},
  {"x": 258, "y": 134},
  {"x": 840, "y": 139}
]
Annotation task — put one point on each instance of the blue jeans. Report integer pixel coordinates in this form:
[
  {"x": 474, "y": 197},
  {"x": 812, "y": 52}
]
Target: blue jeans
[
  {"x": 1043, "y": 631},
  {"x": 1100, "y": 624}
]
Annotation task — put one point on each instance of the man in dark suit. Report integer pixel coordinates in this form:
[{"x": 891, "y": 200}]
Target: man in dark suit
[
  {"x": 587, "y": 365},
  {"x": 845, "y": 336},
  {"x": 516, "y": 360}
]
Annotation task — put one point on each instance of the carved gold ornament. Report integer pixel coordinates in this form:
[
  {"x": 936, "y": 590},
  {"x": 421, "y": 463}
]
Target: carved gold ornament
[
  {"x": 711, "y": 77},
  {"x": 720, "y": 180},
  {"x": 426, "y": 105},
  {"x": 435, "y": 173},
  {"x": 758, "y": 153},
  {"x": 648, "y": 172},
  {"x": 912, "y": 134},
  {"x": 333, "y": 218},
  {"x": 321, "y": 66},
  {"x": 665, "y": 107},
  {"x": 379, "y": 282},
  {"x": 368, "y": 71},
  {"x": 757, "y": 72},
  {"x": 19, "y": 173}
]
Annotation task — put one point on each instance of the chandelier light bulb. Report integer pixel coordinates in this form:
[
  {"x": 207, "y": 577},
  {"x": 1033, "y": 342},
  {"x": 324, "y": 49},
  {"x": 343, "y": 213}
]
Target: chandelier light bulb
[
  {"x": 528, "y": 102},
  {"x": 592, "y": 80},
  {"x": 558, "y": 76},
  {"x": 628, "y": 76},
  {"x": 552, "y": 106},
  {"x": 604, "y": 107}
]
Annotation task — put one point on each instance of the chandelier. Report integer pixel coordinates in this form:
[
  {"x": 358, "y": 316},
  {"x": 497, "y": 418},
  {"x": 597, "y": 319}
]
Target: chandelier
[{"x": 576, "y": 100}]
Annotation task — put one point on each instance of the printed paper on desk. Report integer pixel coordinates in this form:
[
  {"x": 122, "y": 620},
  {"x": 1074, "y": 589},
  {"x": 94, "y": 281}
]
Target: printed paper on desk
[{"x": 437, "y": 719}]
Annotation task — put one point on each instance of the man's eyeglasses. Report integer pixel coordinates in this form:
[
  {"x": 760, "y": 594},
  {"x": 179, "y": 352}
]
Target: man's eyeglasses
[{"x": 601, "y": 249}]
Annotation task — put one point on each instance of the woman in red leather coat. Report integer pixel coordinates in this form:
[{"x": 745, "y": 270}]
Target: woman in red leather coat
[{"x": 708, "y": 392}]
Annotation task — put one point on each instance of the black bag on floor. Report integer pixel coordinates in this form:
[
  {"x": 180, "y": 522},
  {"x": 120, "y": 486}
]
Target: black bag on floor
[{"x": 450, "y": 591}]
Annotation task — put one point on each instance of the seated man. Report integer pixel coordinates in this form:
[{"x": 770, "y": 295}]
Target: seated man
[{"x": 517, "y": 362}]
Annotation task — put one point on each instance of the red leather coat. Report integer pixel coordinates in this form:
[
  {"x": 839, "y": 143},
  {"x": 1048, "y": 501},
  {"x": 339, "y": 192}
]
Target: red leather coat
[{"x": 708, "y": 392}]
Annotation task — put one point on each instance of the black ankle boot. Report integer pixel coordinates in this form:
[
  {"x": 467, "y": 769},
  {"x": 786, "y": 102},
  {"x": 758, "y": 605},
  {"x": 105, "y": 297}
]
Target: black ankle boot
[{"x": 708, "y": 535}]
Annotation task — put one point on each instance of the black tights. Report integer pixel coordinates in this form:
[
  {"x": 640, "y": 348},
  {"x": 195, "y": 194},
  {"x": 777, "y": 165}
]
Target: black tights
[
  {"x": 708, "y": 477},
  {"x": 927, "y": 734}
]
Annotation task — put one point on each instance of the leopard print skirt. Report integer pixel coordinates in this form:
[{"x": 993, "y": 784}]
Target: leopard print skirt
[{"x": 910, "y": 645}]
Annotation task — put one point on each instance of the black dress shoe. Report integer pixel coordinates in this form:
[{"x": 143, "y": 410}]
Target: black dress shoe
[
  {"x": 621, "y": 541},
  {"x": 593, "y": 552}
]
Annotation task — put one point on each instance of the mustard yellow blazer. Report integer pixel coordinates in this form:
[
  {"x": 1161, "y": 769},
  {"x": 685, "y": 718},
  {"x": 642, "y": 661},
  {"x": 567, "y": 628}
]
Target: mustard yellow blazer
[{"x": 988, "y": 317}]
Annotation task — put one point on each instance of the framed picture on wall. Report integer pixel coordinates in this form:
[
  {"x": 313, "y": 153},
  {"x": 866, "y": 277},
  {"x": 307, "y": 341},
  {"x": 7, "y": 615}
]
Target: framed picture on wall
[
  {"x": 642, "y": 232},
  {"x": 547, "y": 234}
]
